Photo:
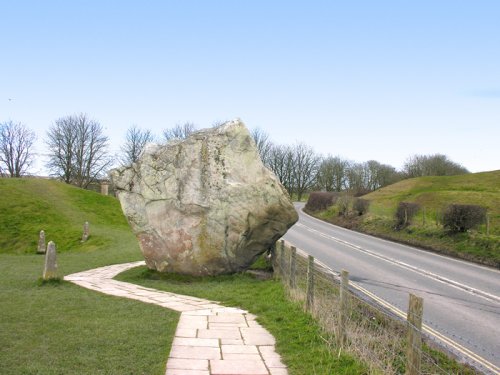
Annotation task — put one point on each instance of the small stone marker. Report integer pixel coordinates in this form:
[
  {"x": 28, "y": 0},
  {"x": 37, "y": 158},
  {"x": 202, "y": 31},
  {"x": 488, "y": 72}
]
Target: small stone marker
[
  {"x": 104, "y": 188},
  {"x": 86, "y": 230},
  {"x": 50, "y": 269},
  {"x": 41, "y": 243}
]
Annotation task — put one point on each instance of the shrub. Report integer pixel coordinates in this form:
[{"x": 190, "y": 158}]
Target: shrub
[
  {"x": 360, "y": 206},
  {"x": 462, "y": 217},
  {"x": 320, "y": 200},
  {"x": 343, "y": 205},
  {"x": 405, "y": 213}
]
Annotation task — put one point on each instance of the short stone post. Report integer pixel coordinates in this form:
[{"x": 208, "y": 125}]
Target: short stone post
[
  {"x": 41, "y": 243},
  {"x": 104, "y": 188},
  {"x": 86, "y": 231},
  {"x": 293, "y": 262},
  {"x": 50, "y": 269},
  {"x": 310, "y": 284},
  {"x": 344, "y": 307},
  {"x": 414, "y": 320}
]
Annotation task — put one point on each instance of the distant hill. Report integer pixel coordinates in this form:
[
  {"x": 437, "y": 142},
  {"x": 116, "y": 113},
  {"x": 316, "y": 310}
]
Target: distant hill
[
  {"x": 435, "y": 193},
  {"x": 29, "y": 205}
]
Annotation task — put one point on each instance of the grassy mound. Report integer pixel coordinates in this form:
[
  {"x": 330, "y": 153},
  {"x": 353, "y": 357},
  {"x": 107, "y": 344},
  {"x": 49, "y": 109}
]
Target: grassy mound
[
  {"x": 435, "y": 193},
  {"x": 30, "y": 205}
]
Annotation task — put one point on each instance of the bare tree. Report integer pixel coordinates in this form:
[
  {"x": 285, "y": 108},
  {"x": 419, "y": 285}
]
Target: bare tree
[
  {"x": 305, "y": 168},
  {"x": 78, "y": 149},
  {"x": 280, "y": 161},
  {"x": 378, "y": 175},
  {"x": 356, "y": 178},
  {"x": 263, "y": 143},
  {"x": 16, "y": 143},
  {"x": 362, "y": 178},
  {"x": 432, "y": 165},
  {"x": 61, "y": 140},
  {"x": 135, "y": 140},
  {"x": 179, "y": 131},
  {"x": 332, "y": 174}
]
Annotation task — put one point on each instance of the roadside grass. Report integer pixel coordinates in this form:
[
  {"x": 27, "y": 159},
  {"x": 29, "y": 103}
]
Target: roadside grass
[
  {"x": 299, "y": 338},
  {"x": 473, "y": 246},
  {"x": 372, "y": 335},
  {"x": 433, "y": 194}
]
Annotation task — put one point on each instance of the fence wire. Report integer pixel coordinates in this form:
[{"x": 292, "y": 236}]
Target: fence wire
[{"x": 352, "y": 322}]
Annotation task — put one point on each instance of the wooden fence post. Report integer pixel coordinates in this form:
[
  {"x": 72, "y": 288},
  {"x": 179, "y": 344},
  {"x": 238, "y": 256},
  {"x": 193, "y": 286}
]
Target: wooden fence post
[
  {"x": 282, "y": 258},
  {"x": 414, "y": 321},
  {"x": 343, "y": 308},
  {"x": 293, "y": 259},
  {"x": 310, "y": 284}
]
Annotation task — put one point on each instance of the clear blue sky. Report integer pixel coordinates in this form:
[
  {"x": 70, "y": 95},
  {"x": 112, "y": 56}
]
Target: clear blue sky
[{"x": 365, "y": 80}]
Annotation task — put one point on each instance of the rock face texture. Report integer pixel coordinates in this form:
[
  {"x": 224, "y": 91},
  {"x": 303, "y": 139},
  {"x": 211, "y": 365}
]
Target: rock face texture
[{"x": 205, "y": 205}]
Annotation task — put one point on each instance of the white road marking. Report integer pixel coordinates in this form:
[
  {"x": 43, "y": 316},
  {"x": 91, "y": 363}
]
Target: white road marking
[
  {"x": 427, "y": 253},
  {"x": 474, "y": 291}
]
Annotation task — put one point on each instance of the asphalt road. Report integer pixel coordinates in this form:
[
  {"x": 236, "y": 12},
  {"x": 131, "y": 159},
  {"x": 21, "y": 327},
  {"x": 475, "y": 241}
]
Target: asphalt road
[{"x": 461, "y": 299}]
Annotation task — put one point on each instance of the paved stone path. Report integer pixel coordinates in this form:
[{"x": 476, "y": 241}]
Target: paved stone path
[{"x": 210, "y": 339}]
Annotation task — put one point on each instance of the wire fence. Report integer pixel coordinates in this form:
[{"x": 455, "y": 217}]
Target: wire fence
[{"x": 353, "y": 323}]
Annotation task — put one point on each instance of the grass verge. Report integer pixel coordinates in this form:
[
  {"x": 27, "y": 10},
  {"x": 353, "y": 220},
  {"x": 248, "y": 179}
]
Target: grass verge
[{"x": 299, "y": 339}]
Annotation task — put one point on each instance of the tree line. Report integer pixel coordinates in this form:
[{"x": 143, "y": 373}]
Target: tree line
[
  {"x": 78, "y": 153},
  {"x": 300, "y": 169}
]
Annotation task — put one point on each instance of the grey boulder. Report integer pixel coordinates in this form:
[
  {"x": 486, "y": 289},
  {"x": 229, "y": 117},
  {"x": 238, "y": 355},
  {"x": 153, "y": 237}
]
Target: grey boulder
[{"x": 205, "y": 205}]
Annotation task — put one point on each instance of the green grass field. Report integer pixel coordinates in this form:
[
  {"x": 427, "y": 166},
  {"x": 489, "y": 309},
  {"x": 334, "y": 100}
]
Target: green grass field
[
  {"x": 60, "y": 328},
  {"x": 433, "y": 194}
]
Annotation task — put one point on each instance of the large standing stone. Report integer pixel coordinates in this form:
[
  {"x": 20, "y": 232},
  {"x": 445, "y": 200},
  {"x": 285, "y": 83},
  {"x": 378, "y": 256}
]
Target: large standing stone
[
  {"x": 205, "y": 205},
  {"x": 50, "y": 269}
]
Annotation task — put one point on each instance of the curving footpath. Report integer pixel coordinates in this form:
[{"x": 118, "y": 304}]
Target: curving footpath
[{"x": 210, "y": 339}]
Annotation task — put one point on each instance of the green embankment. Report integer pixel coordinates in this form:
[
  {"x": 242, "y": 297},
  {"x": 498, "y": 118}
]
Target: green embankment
[
  {"x": 433, "y": 194},
  {"x": 60, "y": 328},
  {"x": 31, "y": 205}
]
